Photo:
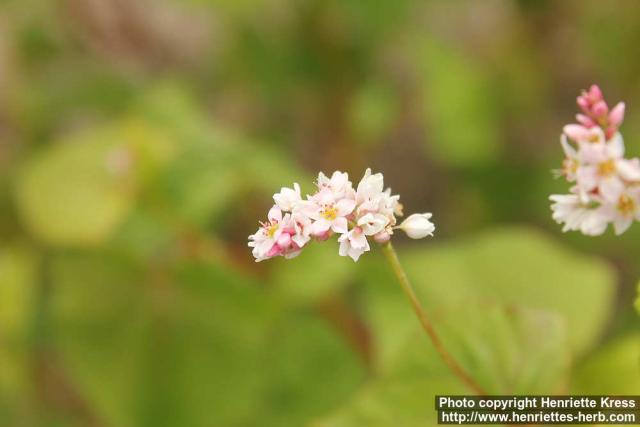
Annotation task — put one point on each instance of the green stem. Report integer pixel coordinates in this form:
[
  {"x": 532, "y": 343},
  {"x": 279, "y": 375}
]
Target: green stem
[{"x": 448, "y": 359}]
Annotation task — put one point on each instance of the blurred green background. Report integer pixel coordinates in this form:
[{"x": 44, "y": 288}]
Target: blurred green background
[{"x": 141, "y": 141}]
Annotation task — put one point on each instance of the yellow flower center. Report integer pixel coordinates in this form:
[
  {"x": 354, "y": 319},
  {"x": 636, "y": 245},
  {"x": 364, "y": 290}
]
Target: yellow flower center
[
  {"x": 626, "y": 205},
  {"x": 271, "y": 230},
  {"x": 593, "y": 138},
  {"x": 329, "y": 213},
  {"x": 607, "y": 168}
]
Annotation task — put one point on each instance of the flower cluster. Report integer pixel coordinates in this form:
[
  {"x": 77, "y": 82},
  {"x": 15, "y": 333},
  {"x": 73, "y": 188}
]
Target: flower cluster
[
  {"x": 606, "y": 185},
  {"x": 336, "y": 207}
]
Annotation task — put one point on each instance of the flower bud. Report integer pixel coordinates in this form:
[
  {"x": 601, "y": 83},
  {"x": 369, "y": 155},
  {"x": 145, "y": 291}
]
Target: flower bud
[
  {"x": 576, "y": 132},
  {"x": 418, "y": 226},
  {"x": 600, "y": 109},
  {"x": 595, "y": 93},
  {"x": 382, "y": 237},
  {"x": 585, "y": 121},
  {"x": 616, "y": 116}
]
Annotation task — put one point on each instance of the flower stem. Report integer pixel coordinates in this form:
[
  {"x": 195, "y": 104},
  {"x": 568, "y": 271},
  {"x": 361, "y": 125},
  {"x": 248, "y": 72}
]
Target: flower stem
[{"x": 448, "y": 359}]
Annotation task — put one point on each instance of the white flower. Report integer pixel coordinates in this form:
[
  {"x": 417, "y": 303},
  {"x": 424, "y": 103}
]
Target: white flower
[
  {"x": 575, "y": 215},
  {"x": 339, "y": 184},
  {"x": 418, "y": 226},
  {"x": 353, "y": 244},
  {"x": 370, "y": 187},
  {"x": 288, "y": 198},
  {"x": 329, "y": 214},
  {"x": 624, "y": 209},
  {"x": 373, "y": 223}
]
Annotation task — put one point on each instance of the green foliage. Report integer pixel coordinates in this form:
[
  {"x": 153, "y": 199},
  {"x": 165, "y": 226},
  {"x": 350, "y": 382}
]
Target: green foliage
[
  {"x": 205, "y": 348},
  {"x": 612, "y": 369},
  {"x": 504, "y": 324},
  {"x": 78, "y": 191}
]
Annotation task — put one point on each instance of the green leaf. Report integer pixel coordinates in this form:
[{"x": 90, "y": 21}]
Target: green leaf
[
  {"x": 216, "y": 167},
  {"x": 503, "y": 303},
  {"x": 311, "y": 372},
  {"x": 192, "y": 346},
  {"x": 513, "y": 266},
  {"x": 77, "y": 191},
  {"x": 614, "y": 369},
  {"x": 507, "y": 350}
]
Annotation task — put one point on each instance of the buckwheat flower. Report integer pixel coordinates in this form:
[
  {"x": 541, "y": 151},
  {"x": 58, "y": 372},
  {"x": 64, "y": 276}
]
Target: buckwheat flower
[
  {"x": 279, "y": 236},
  {"x": 339, "y": 184},
  {"x": 328, "y": 212},
  {"x": 370, "y": 187},
  {"x": 372, "y": 223},
  {"x": 571, "y": 162},
  {"x": 605, "y": 183},
  {"x": 625, "y": 209},
  {"x": 288, "y": 198},
  {"x": 418, "y": 226},
  {"x": 577, "y": 216},
  {"x": 353, "y": 244}
]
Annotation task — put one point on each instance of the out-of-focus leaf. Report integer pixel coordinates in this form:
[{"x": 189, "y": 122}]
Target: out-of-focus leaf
[
  {"x": 311, "y": 371},
  {"x": 513, "y": 266},
  {"x": 79, "y": 190},
  {"x": 198, "y": 346},
  {"x": 506, "y": 350},
  {"x": 463, "y": 121},
  {"x": 614, "y": 369},
  {"x": 216, "y": 167},
  {"x": 317, "y": 272},
  {"x": 637, "y": 302}
]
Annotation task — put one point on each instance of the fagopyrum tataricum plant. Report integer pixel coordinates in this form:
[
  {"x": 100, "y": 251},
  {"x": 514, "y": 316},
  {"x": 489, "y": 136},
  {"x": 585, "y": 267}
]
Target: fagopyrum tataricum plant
[{"x": 355, "y": 215}]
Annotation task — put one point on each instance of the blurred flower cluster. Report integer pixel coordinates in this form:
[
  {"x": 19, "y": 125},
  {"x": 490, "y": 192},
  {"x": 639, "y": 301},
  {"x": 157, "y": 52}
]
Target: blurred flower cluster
[
  {"x": 336, "y": 207},
  {"x": 606, "y": 185}
]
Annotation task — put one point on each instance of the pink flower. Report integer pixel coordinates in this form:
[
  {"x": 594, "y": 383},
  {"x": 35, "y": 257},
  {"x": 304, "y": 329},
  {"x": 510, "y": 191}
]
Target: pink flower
[
  {"x": 281, "y": 235},
  {"x": 353, "y": 244},
  {"x": 331, "y": 216}
]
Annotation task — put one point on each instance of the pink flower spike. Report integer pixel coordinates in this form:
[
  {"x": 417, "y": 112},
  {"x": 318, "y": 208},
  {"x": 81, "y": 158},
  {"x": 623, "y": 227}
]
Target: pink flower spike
[{"x": 616, "y": 116}]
